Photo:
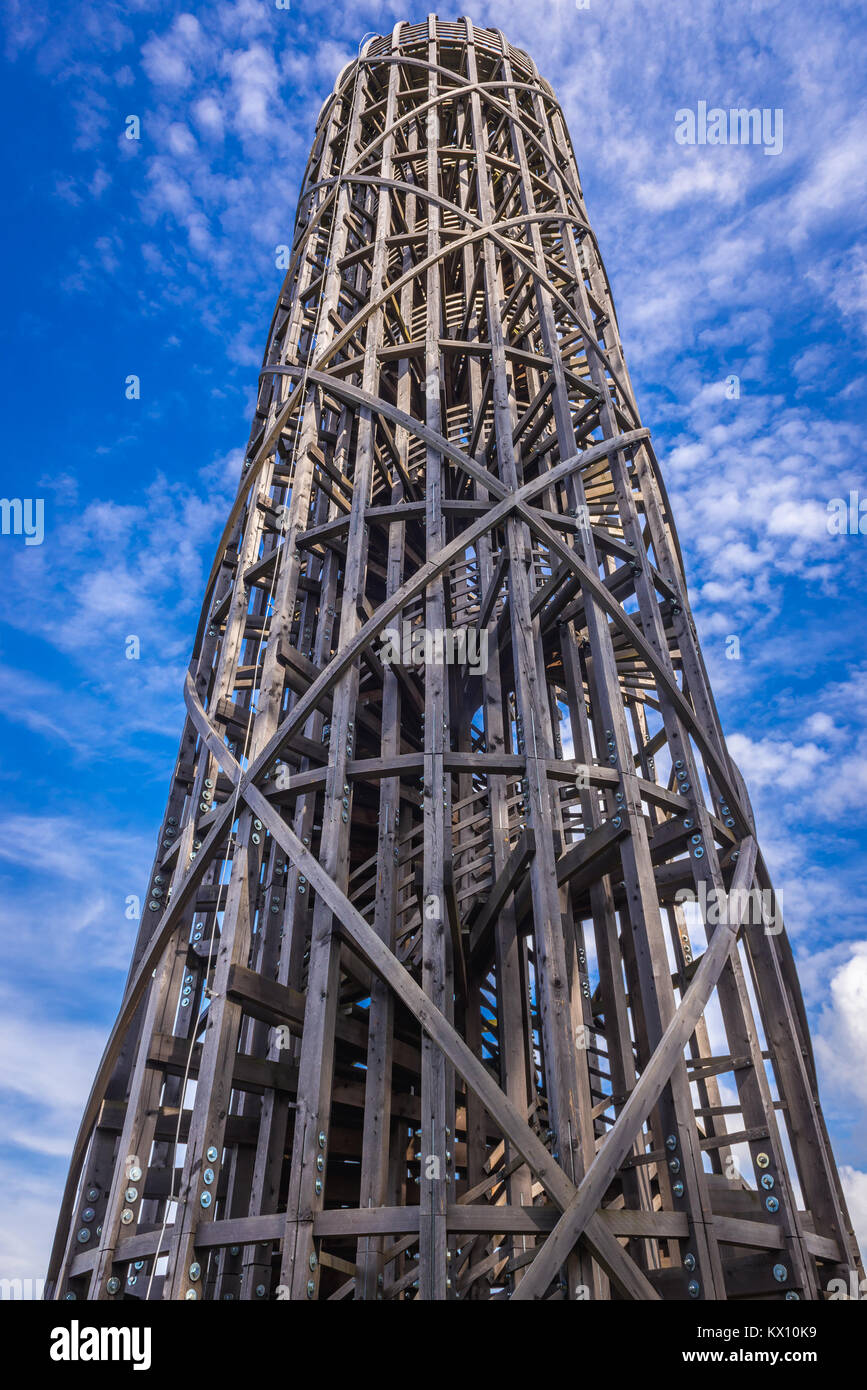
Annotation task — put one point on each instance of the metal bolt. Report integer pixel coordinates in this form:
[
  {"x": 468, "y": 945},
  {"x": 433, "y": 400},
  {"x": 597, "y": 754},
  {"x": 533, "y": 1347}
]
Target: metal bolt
[
  {"x": 127, "y": 1216},
  {"x": 113, "y": 1284},
  {"x": 131, "y": 1194},
  {"x": 212, "y": 1154},
  {"x": 190, "y": 1295},
  {"x": 311, "y": 1287},
  {"x": 762, "y": 1160},
  {"x": 205, "y": 1199},
  {"x": 208, "y": 1175},
  {"x": 260, "y": 1290},
  {"x": 772, "y": 1204},
  {"x": 195, "y": 1271},
  {"x": 671, "y": 1141},
  {"x": 693, "y": 1288},
  {"x": 689, "y": 1261},
  {"x": 781, "y": 1274}
]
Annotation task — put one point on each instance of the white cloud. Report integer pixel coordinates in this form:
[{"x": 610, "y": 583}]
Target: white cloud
[
  {"x": 855, "y": 1191},
  {"x": 695, "y": 179},
  {"x": 180, "y": 139},
  {"x": 254, "y": 77},
  {"x": 167, "y": 59},
  {"x": 841, "y": 1039},
  {"x": 47, "y": 1069},
  {"x": 209, "y": 117}
]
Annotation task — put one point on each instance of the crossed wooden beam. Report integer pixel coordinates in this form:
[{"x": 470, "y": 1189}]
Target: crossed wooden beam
[{"x": 579, "y": 1205}]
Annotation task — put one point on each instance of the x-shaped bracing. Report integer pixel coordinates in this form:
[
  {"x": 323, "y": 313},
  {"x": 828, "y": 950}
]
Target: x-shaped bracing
[
  {"x": 578, "y": 1204},
  {"x": 580, "y": 1219}
]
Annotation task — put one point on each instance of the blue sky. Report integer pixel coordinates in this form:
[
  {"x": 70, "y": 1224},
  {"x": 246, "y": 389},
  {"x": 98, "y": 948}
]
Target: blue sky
[{"x": 156, "y": 258}]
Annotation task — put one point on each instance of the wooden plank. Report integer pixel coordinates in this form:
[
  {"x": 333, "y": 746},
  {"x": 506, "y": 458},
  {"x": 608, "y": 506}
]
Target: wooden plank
[{"x": 481, "y": 931}]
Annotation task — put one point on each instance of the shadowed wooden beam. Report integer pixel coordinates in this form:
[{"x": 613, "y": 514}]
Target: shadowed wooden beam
[{"x": 481, "y": 930}]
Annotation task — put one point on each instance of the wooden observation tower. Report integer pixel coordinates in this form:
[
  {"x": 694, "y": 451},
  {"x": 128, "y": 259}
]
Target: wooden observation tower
[{"x": 459, "y": 975}]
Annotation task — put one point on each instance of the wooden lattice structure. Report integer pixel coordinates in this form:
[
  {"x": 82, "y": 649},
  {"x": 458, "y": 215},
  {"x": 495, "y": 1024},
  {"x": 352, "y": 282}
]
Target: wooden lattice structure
[{"x": 417, "y": 1008}]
